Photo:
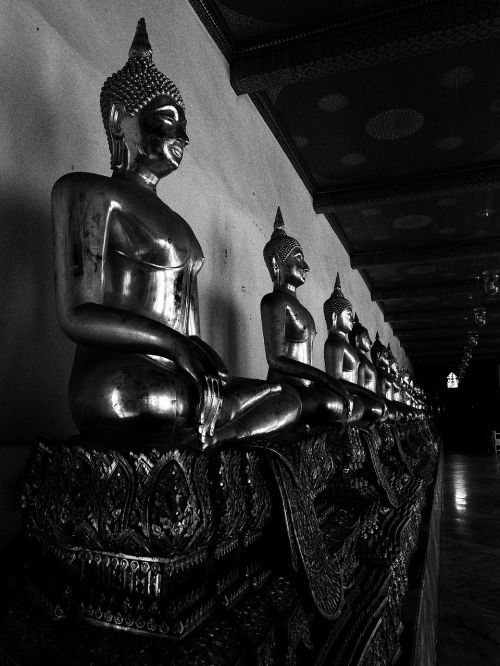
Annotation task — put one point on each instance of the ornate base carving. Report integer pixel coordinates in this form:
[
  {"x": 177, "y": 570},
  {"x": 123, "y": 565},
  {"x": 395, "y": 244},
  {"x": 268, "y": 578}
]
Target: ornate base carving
[{"x": 176, "y": 543}]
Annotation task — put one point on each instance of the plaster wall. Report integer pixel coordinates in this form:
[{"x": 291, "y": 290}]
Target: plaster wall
[{"x": 56, "y": 54}]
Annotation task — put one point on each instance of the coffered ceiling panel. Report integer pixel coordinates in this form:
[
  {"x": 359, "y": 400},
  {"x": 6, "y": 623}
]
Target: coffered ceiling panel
[{"x": 390, "y": 113}]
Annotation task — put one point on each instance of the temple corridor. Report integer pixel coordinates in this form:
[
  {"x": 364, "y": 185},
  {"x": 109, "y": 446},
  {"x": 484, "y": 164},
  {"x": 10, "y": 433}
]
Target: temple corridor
[{"x": 469, "y": 584}]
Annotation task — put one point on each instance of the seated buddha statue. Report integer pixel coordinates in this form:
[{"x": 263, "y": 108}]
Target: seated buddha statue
[
  {"x": 126, "y": 286},
  {"x": 359, "y": 338},
  {"x": 406, "y": 397},
  {"x": 289, "y": 332},
  {"x": 380, "y": 358},
  {"x": 342, "y": 360},
  {"x": 397, "y": 384}
]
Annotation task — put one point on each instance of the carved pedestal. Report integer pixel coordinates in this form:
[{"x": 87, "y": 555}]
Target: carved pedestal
[{"x": 290, "y": 553}]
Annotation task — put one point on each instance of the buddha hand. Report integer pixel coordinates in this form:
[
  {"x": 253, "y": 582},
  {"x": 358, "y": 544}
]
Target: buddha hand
[
  {"x": 214, "y": 357},
  {"x": 346, "y": 397},
  {"x": 203, "y": 371}
]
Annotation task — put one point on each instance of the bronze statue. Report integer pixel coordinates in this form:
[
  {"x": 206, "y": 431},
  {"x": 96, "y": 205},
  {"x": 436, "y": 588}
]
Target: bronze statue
[
  {"x": 126, "y": 285},
  {"x": 342, "y": 360},
  {"x": 359, "y": 338},
  {"x": 289, "y": 332},
  {"x": 394, "y": 373},
  {"x": 380, "y": 358},
  {"x": 406, "y": 390}
]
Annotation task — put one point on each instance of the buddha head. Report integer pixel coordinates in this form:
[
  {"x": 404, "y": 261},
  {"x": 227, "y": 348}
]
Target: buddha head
[
  {"x": 380, "y": 355},
  {"x": 405, "y": 378},
  {"x": 284, "y": 257},
  {"x": 393, "y": 363},
  {"x": 338, "y": 311},
  {"x": 143, "y": 113},
  {"x": 359, "y": 336}
]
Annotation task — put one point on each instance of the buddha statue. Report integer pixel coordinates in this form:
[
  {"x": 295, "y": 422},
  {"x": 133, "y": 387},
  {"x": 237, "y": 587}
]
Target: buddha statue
[
  {"x": 342, "y": 360},
  {"x": 394, "y": 373},
  {"x": 359, "y": 338},
  {"x": 289, "y": 332},
  {"x": 380, "y": 359},
  {"x": 406, "y": 397},
  {"x": 397, "y": 390},
  {"x": 126, "y": 286}
]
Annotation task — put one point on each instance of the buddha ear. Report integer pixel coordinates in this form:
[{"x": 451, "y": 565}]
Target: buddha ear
[
  {"x": 119, "y": 150},
  {"x": 275, "y": 263}
]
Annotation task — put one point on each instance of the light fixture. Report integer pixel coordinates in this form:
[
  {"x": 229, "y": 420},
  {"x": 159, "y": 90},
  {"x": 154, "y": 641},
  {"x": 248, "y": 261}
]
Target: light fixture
[
  {"x": 480, "y": 316},
  {"x": 491, "y": 281}
]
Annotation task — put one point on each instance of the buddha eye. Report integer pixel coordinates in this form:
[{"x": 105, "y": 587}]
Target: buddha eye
[{"x": 168, "y": 113}]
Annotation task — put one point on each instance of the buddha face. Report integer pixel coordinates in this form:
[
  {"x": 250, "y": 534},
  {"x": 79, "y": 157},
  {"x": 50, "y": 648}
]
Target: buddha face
[
  {"x": 382, "y": 358},
  {"x": 364, "y": 341},
  {"x": 156, "y": 137},
  {"x": 294, "y": 269},
  {"x": 344, "y": 321}
]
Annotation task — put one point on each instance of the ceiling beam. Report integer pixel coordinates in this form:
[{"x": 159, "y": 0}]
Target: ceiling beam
[
  {"x": 447, "y": 312},
  {"x": 427, "y": 346},
  {"x": 413, "y": 29},
  {"x": 453, "y": 352},
  {"x": 417, "y": 255},
  {"x": 440, "y": 328},
  {"x": 408, "y": 188},
  {"x": 450, "y": 333},
  {"x": 461, "y": 287}
]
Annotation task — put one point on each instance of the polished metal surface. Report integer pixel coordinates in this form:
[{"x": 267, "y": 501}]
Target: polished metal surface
[
  {"x": 126, "y": 286},
  {"x": 380, "y": 358},
  {"x": 289, "y": 332},
  {"x": 342, "y": 360}
]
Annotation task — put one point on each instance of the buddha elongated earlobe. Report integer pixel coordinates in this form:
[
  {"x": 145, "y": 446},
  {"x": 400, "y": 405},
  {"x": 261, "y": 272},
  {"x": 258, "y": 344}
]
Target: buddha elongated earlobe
[
  {"x": 119, "y": 149},
  {"x": 275, "y": 271}
]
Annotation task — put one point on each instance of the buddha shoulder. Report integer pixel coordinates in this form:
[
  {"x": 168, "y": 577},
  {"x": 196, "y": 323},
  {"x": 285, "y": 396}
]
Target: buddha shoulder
[
  {"x": 290, "y": 306},
  {"x": 141, "y": 226},
  {"x": 278, "y": 299}
]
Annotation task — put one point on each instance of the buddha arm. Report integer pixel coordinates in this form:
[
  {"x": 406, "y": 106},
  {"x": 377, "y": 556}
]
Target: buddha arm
[
  {"x": 194, "y": 335},
  {"x": 273, "y": 314},
  {"x": 81, "y": 227},
  {"x": 334, "y": 359}
]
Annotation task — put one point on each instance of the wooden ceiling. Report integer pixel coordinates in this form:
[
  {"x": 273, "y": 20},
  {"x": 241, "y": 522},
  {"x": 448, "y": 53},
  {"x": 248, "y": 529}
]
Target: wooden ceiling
[{"x": 390, "y": 113}]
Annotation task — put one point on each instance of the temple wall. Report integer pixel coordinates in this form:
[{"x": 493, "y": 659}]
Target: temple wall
[{"x": 55, "y": 57}]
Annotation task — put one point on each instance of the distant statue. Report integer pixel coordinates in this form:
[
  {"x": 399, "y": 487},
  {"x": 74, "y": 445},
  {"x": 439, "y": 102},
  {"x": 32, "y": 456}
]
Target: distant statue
[
  {"x": 126, "y": 286},
  {"x": 359, "y": 338},
  {"x": 380, "y": 358},
  {"x": 395, "y": 376},
  {"x": 406, "y": 390},
  {"x": 289, "y": 332},
  {"x": 342, "y": 360}
]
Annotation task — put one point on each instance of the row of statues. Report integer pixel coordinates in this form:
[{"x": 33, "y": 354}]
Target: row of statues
[{"x": 126, "y": 289}]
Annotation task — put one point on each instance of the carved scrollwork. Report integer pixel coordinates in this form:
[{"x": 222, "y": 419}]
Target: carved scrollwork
[
  {"x": 154, "y": 542},
  {"x": 321, "y": 569}
]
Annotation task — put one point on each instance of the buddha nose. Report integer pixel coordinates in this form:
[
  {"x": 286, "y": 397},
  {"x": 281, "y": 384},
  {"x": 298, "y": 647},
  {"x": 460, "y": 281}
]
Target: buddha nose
[
  {"x": 305, "y": 266},
  {"x": 181, "y": 134}
]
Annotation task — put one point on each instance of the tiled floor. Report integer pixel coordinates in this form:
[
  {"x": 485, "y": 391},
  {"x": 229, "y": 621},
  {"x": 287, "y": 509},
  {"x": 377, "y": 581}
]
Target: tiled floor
[{"x": 469, "y": 587}]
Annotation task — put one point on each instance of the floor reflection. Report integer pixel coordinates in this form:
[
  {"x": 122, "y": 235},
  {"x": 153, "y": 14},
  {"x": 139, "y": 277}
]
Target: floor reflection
[{"x": 469, "y": 587}]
